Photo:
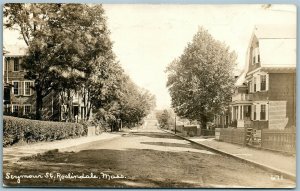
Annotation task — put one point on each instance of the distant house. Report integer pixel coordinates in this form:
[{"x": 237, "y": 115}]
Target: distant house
[
  {"x": 265, "y": 93},
  {"x": 19, "y": 96}
]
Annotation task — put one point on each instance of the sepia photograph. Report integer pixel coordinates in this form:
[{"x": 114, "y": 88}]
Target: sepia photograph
[{"x": 149, "y": 95}]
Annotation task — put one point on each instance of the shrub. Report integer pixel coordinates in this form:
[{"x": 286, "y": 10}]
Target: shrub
[{"x": 26, "y": 130}]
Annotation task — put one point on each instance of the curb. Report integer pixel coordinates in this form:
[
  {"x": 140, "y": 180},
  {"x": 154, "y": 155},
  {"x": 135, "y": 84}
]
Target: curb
[{"x": 265, "y": 167}]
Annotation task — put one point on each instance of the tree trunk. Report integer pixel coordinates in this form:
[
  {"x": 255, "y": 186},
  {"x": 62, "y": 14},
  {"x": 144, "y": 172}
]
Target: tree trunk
[
  {"x": 203, "y": 121},
  {"x": 70, "y": 107},
  {"x": 89, "y": 106},
  {"x": 39, "y": 104}
]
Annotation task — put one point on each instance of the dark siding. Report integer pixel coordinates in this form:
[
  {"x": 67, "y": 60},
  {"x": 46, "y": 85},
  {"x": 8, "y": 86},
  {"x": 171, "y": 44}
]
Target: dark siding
[
  {"x": 283, "y": 87},
  {"x": 260, "y": 124}
]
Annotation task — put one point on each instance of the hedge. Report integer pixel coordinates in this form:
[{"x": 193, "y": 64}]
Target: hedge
[{"x": 27, "y": 130}]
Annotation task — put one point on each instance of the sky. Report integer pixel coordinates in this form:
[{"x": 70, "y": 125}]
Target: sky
[{"x": 147, "y": 37}]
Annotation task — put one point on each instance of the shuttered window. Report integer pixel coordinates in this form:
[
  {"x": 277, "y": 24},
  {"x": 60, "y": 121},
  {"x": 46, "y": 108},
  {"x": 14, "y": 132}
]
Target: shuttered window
[{"x": 263, "y": 83}]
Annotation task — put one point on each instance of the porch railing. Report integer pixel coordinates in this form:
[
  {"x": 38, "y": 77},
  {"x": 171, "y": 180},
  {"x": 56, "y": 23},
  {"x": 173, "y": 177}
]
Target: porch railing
[{"x": 242, "y": 97}]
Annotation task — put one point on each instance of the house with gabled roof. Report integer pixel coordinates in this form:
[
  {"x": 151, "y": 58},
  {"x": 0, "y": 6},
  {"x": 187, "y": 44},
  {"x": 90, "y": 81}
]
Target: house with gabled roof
[{"x": 266, "y": 97}]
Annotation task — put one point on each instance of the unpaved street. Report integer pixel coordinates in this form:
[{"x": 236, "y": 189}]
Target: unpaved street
[{"x": 147, "y": 157}]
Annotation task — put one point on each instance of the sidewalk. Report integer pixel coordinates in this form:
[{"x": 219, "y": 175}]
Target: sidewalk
[
  {"x": 272, "y": 160},
  {"x": 15, "y": 153}
]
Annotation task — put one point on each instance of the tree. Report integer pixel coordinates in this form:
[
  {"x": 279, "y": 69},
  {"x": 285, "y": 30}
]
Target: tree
[
  {"x": 65, "y": 43},
  {"x": 115, "y": 97},
  {"x": 201, "y": 80},
  {"x": 135, "y": 102}
]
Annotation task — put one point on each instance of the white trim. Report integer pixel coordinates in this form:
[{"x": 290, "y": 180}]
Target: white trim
[
  {"x": 252, "y": 112},
  {"x": 267, "y": 81},
  {"x": 24, "y": 89},
  {"x": 253, "y": 71},
  {"x": 258, "y": 82},
  {"x": 257, "y": 112},
  {"x": 12, "y": 107}
]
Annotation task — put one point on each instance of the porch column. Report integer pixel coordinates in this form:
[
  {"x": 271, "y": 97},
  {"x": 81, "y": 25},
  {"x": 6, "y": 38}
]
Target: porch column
[{"x": 242, "y": 113}]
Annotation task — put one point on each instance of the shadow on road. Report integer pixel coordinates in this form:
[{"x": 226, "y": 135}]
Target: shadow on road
[
  {"x": 141, "y": 167},
  {"x": 156, "y": 135},
  {"x": 170, "y": 144}
]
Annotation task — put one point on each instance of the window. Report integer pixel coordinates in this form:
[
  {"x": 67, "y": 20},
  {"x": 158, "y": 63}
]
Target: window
[
  {"x": 254, "y": 84},
  {"x": 263, "y": 112},
  {"x": 15, "y": 109},
  {"x": 16, "y": 64},
  {"x": 16, "y": 88},
  {"x": 6, "y": 95},
  {"x": 263, "y": 82},
  {"x": 254, "y": 112},
  {"x": 27, "y": 88},
  {"x": 27, "y": 109}
]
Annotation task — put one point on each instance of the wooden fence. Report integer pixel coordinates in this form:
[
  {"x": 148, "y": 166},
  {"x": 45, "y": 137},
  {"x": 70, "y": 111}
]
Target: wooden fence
[
  {"x": 279, "y": 140},
  {"x": 231, "y": 135},
  {"x": 276, "y": 140}
]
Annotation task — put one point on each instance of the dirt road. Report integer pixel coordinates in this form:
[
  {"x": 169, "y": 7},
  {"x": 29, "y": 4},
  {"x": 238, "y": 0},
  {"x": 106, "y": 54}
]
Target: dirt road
[{"x": 146, "y": 157}]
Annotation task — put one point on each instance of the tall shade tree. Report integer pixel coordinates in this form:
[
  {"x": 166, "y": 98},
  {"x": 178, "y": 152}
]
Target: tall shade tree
[
  {"x": 65, "y": 42},
  {"x": 135, "y": 102},
  {"x": 201, "y": 80}
]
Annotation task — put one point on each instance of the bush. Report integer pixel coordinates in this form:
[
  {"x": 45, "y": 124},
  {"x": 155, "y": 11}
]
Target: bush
[{"x": 26, "y": 130}]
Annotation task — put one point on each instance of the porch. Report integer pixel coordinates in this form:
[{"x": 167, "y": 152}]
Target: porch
[{"x": 241, "y": 115}]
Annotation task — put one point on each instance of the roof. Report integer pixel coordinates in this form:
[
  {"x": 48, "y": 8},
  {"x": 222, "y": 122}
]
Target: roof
[
  {"x": 240, "y": 80},
  {"x": 14, "y": 50},
  {"x": 279, "y": 70},
  {"x": 277, "y": 45},
  {"x": 275, "y": 31},
  {"x": 278, "y": 52}
]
